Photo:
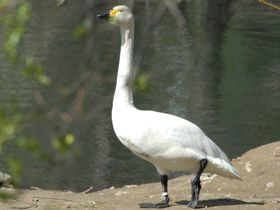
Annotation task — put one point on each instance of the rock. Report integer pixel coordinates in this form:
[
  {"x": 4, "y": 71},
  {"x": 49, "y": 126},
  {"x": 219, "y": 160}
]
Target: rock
[
  {"x": 67, "y": 206},
  {"x": 207, "y": 176},
  {"x": 120, "y": 193},
  {"x": 130, "y": 186},
  {"x": 276, "y": 152},
  {"x": 35, "y": 188},
  {"x": 92, "y": 203},
  {"x": 269, "y": 185},
  {"x": 247, "y": 167},
  {"x": 5, "y": 179}
]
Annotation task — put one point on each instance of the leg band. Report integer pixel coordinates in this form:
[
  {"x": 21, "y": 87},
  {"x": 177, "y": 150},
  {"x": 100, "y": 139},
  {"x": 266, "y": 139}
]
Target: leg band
[{"x": 164, "y": 195}]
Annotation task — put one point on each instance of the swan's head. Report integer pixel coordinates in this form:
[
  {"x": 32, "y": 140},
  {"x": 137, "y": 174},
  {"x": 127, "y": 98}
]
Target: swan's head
[{"x": 121, "y": 16}]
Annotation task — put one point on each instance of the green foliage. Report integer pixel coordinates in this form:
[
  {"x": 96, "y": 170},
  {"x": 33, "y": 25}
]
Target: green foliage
[
  {"x": 32, "y": 146},
  {"x": 82, "y": 29},
  {"x": 33, "y": 70},
  {"x": 16, "y": 169},
  {"x": 23, "y": 12},
  {"x": 141, "y": 83},
  {"x": 5, "y": 196},
  {"x": 63, "y": 144},
  {"x": 10, "y": 121},
  {"x": 14, "y": 18},
  {"x": 14, "y": 23},
  {"x": 3, "y": 3}
]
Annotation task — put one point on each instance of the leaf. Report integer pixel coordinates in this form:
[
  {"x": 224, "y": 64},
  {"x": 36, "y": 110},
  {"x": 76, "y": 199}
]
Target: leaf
[
  {"x": 23, "y": 12},
  {"x": 82, "y": 29},
  {"x": 16, "y": 169},
  {"x": 141, "y": 83},
  {"x": 64, "y": 143}
]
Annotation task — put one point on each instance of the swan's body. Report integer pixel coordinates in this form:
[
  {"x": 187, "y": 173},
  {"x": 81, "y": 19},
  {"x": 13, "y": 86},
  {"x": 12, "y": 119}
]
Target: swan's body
[{"x": 170, "y": 143}]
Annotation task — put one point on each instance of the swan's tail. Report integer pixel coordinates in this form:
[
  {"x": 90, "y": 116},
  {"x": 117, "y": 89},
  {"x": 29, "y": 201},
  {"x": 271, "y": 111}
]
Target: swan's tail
[
  {"x": 218, "y": 162},
  {"x": 222, "y": 168}
]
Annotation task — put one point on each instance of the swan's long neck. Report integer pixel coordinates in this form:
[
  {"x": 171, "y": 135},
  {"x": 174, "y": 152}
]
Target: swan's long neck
[{"x": 123, "y": 93}]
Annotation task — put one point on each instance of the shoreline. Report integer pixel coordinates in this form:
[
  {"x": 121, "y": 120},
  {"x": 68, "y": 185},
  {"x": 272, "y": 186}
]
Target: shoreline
[{"x": 260, "y": 189}]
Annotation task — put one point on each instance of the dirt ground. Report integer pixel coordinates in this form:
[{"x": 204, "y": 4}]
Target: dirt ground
[{"x": 260, "y": 189}]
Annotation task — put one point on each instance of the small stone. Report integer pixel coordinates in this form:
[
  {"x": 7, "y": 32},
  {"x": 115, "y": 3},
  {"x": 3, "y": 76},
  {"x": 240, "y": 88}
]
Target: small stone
[
  {"x": 207, "y": 176},
  {"x": 92, "y": 203},
  {"x": 269, "y": 185},
  {"x": 247, "y": 167},
  {"x": 35, "y": 200},
  {"x": 120, "y": 193},
  {"x": 130, "y": 186},
  {"x": 236, "y": 159},
  {"x": 112, "y": 188},
  {"x": 34, "y": 188},
  {"x": 276, "y": 152},
  {"x": 69, "y": 191},
  {"x": 5, "y": 179}
]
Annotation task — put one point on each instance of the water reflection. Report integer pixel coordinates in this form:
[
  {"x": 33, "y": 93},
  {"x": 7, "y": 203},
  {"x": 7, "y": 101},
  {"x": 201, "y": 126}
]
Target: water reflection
[{"x": 217, "y": 65}]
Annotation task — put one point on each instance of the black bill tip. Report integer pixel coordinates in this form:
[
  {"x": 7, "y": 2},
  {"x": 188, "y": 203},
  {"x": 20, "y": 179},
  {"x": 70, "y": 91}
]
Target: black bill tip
[{"x": 104, "y": 16}]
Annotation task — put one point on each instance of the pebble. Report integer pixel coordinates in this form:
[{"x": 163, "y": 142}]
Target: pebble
[
  {"x": 207, "y": 176},
  {"x": 269, "y": 185},
  {"x": 276, "y": 152},
  {"x": 5, "y": 179},
  {"x": 120, "y": 193},
  {"x": 247, "y": 167},
  {"x": 130, "y": 186},
  {"x": 92, "y": 203}
]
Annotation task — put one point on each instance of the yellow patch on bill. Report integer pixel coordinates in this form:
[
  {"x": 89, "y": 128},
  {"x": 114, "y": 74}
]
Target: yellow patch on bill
[{"x": 113, "y": 12}]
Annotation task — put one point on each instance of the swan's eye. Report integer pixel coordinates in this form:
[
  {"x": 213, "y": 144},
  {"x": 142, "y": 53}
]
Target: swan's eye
[{"x": 114, "y": 12}]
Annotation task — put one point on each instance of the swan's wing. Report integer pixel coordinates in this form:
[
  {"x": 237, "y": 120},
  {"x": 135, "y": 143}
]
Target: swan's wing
[{"x": 172, "y": 131}]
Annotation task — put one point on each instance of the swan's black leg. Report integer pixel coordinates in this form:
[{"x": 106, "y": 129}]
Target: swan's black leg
[
  {"x": 196, "y": 184},
  {"x": 165, "y": 199}
]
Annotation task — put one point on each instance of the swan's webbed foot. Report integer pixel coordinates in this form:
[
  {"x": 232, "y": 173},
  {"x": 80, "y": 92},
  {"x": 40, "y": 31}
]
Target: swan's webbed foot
[
  {"x": 165, "y": 199},
  {"x": 196, "y": 186},
  {"x": 195, "y": 192},
  {"x": 163, "y": 204}
]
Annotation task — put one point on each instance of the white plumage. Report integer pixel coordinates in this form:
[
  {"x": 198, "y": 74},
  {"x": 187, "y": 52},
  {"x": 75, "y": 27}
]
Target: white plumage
[{"x": 170, "y": 143}]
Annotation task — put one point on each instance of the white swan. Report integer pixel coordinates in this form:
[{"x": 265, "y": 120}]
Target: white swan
[{"x": 168, "y": 142}]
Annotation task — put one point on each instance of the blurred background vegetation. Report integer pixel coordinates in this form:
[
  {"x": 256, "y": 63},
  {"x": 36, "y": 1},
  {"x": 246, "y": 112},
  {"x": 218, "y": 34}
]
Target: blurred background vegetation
[{"x": 213, "y": 62}]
